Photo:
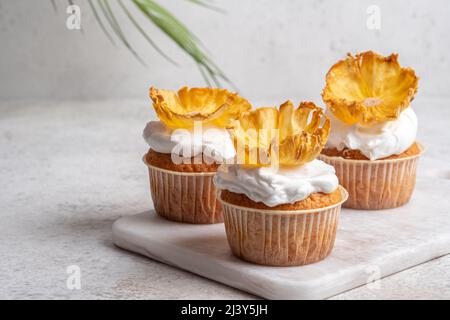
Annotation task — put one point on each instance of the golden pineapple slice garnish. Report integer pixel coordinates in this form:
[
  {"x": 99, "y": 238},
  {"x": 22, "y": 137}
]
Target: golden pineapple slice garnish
[
  {"x": 181, "y": 109},
  {"x": 286, "y": 137},
  {"x": 368, "y": 88}
]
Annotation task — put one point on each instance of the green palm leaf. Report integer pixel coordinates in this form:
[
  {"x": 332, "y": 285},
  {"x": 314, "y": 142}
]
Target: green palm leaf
[
  {"x": 168, "y": 24},
  {"x": 174, "y": 29},
  {"x": 143, "y": 33}
]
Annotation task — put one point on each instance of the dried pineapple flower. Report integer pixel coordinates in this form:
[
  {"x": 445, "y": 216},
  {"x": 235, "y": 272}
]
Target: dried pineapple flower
[
  {"x": 210, "y": 106},
  {"x": 287, "y": 137},
  {"x": 369, "y": 88}
]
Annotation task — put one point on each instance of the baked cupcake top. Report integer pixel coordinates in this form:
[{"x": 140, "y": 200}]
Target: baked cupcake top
[
  {"x": 368, "y": 98},
  {"x": 276, "y": 154},
  {"x": 193, "y": 121}
]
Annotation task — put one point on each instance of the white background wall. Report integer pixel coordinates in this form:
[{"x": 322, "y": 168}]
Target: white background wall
[{"x": 273, "y": 50}]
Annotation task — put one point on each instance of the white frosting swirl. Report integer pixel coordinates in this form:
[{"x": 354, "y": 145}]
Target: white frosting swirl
[
  {"x": 375, "y": 142},
  {"x": 215, "y": 143},
  {"x": 273, "y": 186}
]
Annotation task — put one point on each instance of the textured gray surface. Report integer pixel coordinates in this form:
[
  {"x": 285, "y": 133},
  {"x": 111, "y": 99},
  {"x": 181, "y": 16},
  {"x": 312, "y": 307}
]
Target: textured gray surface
[{"x": 68, "y": 170}]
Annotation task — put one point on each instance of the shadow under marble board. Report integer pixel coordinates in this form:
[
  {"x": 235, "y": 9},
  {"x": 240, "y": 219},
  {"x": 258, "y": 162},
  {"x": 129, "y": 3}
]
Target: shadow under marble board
[{"x": 368, "y": 244}]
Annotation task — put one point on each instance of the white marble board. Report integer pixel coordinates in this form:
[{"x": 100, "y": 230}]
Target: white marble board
[{"x": 369, "y": 244}]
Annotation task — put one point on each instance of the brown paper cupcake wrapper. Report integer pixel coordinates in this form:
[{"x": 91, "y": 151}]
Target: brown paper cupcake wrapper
[
  {"x": 374, "y": 185},
  {"x": 281, "y": 238},
  {"x": 184, "y": 197}
]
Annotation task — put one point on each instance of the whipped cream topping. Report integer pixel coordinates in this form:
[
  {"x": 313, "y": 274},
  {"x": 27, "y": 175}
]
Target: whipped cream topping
[
  {"x": 214, "y": 143},
  {"x": 378, "y": 141},
  {"x": 274, "y": 186}
]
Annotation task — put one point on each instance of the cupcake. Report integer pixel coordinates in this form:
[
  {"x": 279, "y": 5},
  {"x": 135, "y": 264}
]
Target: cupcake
[
  {"x": 280, "y": 204},
  {"x": 372, "y": 144},
  {"x": 186, "y": 146}
]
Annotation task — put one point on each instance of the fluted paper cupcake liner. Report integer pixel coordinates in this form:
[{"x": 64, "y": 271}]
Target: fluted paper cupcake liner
[
  {"x": 281, "y": 237},
  {"x": 184, "y": 196},
  {"x": 375, "y": 185}
]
